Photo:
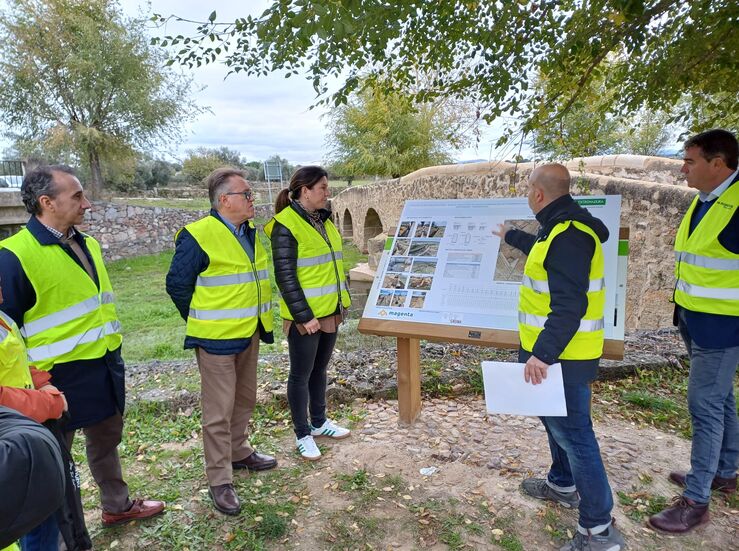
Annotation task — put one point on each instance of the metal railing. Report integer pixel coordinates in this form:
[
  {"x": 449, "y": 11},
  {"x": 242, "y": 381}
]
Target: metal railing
[{"x": 11, "y": 173}]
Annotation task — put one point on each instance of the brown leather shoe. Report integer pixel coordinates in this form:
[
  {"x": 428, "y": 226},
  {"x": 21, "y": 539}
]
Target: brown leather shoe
[
  {"x": 723, "y": 485},
  {"x": 225, "y": 499},
  {"x": 682, "y": 516},
  {"x": 140, "y": 509},
  {"x": 256, "y": 462}
]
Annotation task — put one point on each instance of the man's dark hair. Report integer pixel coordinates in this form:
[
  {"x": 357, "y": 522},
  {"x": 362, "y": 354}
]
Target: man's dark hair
[
  {"x": 716, "y": 143},
  {"x": 217, "y": 180},
  {"x": 38, "y": 182}
]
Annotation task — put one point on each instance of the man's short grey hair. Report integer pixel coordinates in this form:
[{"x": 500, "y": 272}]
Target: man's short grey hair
[
  {"x": 39, "y": 182},
  {"x": 217, "y": 182}
]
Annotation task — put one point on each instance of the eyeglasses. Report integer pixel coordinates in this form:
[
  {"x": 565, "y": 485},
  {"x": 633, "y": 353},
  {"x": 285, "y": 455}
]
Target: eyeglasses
[{"x": 248, "y": 195}]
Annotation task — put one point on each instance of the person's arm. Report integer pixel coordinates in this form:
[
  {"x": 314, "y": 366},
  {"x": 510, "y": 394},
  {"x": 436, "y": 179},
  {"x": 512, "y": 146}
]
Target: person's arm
[
  {"x": 519, "y": 239},
  {"x": 285, "y": 259},
  {"x": 18, "y": 293},
  {"x": 188, "y": 262},
  {"x": 568, "y": 274},
  {"x": 39, "y": 405}
]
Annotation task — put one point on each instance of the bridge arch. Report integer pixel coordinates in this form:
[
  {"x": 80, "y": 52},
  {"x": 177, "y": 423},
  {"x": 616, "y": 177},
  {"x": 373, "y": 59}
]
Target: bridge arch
[
  {"x": 372, "y": 227},
  {"x": 347, "y": 225}
]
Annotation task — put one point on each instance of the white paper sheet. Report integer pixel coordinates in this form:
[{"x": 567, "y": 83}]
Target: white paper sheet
[{"x": 506, "y": 391}]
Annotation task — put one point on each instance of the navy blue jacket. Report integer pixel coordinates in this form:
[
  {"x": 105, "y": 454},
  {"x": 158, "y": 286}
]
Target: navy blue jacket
[
  {"x": 94, "y": 389},
  {"x": 715, "y": 330},
  {"x": 189, "y": 261},
  {"x": 568, "y": 274}
]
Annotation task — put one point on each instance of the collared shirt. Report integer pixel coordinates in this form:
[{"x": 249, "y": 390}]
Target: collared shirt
[
  {"x": 716, "y": 193},
  {"x": 59, "y": 235},
  {"x": 243, "y": 235}
]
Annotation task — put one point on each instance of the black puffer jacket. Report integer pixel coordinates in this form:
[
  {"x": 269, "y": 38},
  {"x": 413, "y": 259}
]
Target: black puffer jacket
[{"x": 285, "y": 258}]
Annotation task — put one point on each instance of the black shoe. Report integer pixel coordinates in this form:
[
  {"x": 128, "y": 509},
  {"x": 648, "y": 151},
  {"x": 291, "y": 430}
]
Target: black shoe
[{"x": 256, "y": 462}]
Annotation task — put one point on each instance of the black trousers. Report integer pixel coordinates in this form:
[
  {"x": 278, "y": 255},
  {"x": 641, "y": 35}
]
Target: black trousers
[{"x": 306, "y": 385}]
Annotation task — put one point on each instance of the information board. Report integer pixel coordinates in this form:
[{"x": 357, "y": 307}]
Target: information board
[{"x": 444, "y": 266}]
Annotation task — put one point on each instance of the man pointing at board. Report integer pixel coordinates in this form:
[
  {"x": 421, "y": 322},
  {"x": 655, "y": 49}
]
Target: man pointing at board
[{"x": 560, "y": 319}]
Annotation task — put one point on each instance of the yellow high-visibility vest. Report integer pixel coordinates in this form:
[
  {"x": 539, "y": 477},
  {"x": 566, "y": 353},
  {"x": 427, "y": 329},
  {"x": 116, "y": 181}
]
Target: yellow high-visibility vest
[
  {"x": 14, "y": 370},
  {"x": 534, "y": 299},
  {"x": 72, "y": 319},
  {"x": 707, "y": 274},
  {"x": 320, "y": 266},
  {"x": 233, "y": 293}
]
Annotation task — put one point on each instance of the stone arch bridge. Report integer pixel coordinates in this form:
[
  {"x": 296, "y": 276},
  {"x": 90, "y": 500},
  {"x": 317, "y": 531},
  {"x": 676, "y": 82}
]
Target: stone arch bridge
[{"x": 654, "y": 197}]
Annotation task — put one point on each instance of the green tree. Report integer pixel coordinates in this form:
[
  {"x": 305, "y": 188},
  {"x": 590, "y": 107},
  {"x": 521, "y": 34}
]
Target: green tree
[
  {"x": 585, "y": 129},
  {"x": 486, "y": 52},
  {"x": 203, "y": 160},
  {"x": 79, "y": 77},
  {"x": 646, "y": 134},
  {"x": 386, "y": 134},
  {"x": 589, "y": 128}
]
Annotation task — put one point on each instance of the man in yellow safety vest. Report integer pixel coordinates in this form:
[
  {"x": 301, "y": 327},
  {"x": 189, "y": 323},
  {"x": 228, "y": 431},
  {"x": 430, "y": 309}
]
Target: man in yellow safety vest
[
  {"x": 707, "y": 315},
  {"x": 58, "y": 292},
  {"x": 560, "y": 320},
  {"x": 219, "y": 282}
]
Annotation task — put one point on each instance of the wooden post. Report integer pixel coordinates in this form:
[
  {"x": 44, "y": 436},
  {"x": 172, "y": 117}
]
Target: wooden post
[{"x": 409, "y": 379}]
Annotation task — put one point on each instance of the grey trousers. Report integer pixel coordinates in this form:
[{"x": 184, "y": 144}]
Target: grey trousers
[{"x": 101, "y": 447}]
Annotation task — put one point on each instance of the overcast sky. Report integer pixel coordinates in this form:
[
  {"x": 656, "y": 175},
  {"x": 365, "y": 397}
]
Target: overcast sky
[{"x": 259, "y": 117}]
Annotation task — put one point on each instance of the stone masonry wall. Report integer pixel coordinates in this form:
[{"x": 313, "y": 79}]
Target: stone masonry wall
[
  {"x": 124, "y": 231},
  {"x": 650, "y": 210}
]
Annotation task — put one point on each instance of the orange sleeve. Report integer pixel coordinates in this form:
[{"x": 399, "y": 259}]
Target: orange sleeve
[
  {"x": 39, "y": 406},
  {"x": 40, "y": 378}
]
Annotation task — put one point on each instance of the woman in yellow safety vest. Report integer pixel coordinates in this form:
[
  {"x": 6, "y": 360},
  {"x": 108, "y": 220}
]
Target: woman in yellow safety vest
[{"x": 307, "y": 255}]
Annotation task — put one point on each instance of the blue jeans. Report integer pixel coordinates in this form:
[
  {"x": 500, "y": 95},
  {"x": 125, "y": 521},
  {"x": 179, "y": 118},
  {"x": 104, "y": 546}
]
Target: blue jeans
[
  {"x": 576, "y": 460},
  {"x": 45, "y": 537},
  {"x": 715, "y": 448}
]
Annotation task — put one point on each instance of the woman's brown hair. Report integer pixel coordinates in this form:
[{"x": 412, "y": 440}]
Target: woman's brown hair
[{"x": 305, "y": 176}]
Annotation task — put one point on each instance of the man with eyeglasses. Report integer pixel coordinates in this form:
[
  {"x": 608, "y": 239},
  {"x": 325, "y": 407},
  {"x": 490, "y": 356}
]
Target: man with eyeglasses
[{"x": 219, "y": 282}]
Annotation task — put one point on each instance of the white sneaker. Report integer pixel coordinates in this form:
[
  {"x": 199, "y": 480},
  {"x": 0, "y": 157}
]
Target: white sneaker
[
  {"x": 330, "y": 429},
  {"x": 307, "y": 448}
]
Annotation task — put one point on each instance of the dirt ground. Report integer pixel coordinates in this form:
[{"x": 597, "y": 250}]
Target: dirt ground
[{"x": 480, "y": 463}]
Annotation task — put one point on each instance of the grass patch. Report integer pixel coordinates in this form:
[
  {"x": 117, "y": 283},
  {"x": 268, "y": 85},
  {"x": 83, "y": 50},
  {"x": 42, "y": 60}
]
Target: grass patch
[
  {"x": 650, "y": 397},
  {"x": 162, "y": 458},
  {"x": 353, "y": 531},
  {"x": 432, "y": 382},
  {"x": 638, "y": 505},
  {"x": 553, "y": 523}
]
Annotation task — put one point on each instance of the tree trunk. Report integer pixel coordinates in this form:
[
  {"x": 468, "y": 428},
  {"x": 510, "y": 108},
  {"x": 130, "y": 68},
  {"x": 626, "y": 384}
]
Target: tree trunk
[{"x": 96, "y": 175}]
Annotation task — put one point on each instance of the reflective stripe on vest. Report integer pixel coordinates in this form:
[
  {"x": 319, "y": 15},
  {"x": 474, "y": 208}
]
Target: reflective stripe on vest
[
  {"x": 322, "y": 291},
  {"x": 707, "y": 261},
  {"x": 320, "y": 267},
  {"x": 586, "y": 326},
  {"x": 229, "y": 314},
  {"x": 77, "y": 311},
  {"x": 320, "y": 259},
  {"x": 235, "y": 279},
  {"x": 534, "y": 299},
  {"x": 233, "y": 293},
  {"x": 543, "y": 286},
  {"x": 14, "y": 370},
  {"x": 706, "y": 273},
  {"x": 41, "y": 353},
  {"x": 69, "y": 322}
]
